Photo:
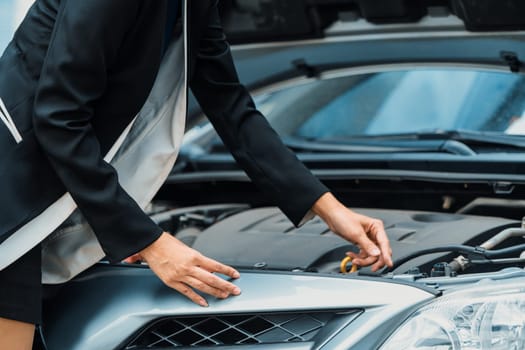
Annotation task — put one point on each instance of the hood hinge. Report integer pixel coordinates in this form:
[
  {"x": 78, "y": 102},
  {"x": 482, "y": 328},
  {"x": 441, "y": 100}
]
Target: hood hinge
[
  {"x": 512, "y": 60},
  {"x": 503, "y": 187}
]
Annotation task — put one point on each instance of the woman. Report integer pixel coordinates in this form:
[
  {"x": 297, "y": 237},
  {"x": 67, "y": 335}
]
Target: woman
[{"x": 75, "y": 83}]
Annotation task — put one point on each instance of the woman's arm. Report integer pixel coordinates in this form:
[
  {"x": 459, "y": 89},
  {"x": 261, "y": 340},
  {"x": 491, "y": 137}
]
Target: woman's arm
[
  {"x": 263, "y": 156},
  {"x": 84, "y": 45},
  {"x": 245, "y": 131}
]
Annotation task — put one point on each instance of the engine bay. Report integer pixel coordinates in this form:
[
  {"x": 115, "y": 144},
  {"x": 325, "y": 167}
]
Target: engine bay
[
  {"x": 434, "y": 254},
  {"x": 425, "y": 244}
]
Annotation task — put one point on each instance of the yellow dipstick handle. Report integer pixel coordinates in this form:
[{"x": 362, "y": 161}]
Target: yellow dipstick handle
[{"x": 344, "y": 262}]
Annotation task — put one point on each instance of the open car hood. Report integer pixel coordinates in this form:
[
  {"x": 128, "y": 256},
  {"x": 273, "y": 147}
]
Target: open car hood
[
  {"x": 270, "y": 20},
  {"x": 306, "y": 38}
]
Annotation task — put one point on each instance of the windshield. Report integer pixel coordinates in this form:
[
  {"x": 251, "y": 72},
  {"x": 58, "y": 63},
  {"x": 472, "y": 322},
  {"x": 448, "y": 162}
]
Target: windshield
[{"x": 399, "y": 102}]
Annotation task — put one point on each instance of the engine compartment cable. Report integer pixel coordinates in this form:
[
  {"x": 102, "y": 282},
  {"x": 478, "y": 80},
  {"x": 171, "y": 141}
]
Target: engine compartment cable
[{"x": 462, "y": 249}]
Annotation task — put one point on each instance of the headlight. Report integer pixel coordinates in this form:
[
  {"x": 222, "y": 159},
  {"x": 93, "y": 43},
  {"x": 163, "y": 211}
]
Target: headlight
[{"x": 486, "y": 317}]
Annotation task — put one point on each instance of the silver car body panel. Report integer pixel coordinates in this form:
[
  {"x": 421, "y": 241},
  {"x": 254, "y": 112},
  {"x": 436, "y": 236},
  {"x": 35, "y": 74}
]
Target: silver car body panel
[{"x": 132, "y": 297}]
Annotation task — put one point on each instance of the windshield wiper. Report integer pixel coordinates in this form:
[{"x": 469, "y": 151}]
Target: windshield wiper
[
  {"x": 373, "y": 145},
  {"x": 468, "y": 137},
  {"x": 457, "y": 142}
]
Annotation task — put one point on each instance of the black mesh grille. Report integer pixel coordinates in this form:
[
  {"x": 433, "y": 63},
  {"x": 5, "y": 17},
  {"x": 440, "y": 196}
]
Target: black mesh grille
[{"x": 230, "y": 330}]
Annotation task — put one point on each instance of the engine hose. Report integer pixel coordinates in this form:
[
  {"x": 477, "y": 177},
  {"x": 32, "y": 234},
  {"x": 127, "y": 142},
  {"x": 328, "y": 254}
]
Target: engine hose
[
  {"x": 462, "y": 249},
  {"x": 496, "y": 253}
]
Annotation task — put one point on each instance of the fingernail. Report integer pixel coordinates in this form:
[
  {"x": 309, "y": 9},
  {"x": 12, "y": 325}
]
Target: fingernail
[
  {"x": 236, "y": 274},
  {"x": 236, "y": 291},
  {"x": 375, "y": 252},
  {"x": 203, "y": 303}
]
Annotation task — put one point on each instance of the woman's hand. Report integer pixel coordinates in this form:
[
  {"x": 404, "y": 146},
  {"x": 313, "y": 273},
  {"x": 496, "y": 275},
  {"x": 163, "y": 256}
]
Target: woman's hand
[
  {"x": 367, "y": 233},
  {"x": 184, "y": 269}
]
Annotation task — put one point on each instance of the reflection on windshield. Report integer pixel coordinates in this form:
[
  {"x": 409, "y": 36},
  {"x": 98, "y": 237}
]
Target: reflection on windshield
[{"x": 399, "y": 102}]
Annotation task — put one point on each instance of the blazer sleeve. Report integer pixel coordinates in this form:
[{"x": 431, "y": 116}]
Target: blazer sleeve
[
  {"x": 83, "y": 47},
  {"x": 245, "y": 131}
]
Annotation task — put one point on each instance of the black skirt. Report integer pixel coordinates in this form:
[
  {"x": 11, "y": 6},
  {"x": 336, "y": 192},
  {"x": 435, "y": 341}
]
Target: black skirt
[{"x": 21, "y": 289}]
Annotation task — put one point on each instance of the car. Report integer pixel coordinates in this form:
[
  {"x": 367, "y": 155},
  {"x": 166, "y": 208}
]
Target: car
[{"x": 410, "y": 112}]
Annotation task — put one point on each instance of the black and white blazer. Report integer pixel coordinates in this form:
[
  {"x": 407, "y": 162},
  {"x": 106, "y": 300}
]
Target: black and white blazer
[{"x": 91, "y": 118}]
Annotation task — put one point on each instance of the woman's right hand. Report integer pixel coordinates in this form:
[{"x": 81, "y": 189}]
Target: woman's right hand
[{"x": 184, "y": 269}]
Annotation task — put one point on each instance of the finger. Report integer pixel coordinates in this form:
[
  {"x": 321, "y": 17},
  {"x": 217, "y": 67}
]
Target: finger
[
  {"x": 384, "y": 244},
  {"x": 189, "y": 293},
  {"x": 366, "y": 261},
  {"x": 378, "y": 264},
  {"x": 215, "y": 281},
  {"x": 215, "y": 266},
  {"x": 205, "y": 288},
  {"x": 361, "y": 255},
  {"x": 367, "y": 245},
  {"x": 352, "y": 255}
]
